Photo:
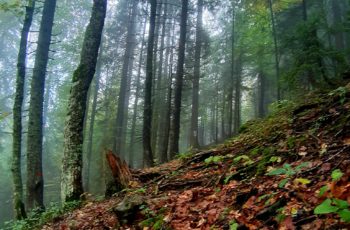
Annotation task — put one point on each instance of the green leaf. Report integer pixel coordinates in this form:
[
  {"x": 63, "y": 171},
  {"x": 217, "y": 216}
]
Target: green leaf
[
  {"x": 278, "y": 171},
  {"x": 233, "y": 225},
  {"x": 275, "y": 159},
  {"x": 323, "y": 190},
  {"x": 341, "y": 204},
  {"x": 283, "y": 183},
  {"x": 326, "y": 207},
  {"x": 302, "y": 181},
  {"x": 337, "y": 174},
  {"x": 344, "y": 215}
]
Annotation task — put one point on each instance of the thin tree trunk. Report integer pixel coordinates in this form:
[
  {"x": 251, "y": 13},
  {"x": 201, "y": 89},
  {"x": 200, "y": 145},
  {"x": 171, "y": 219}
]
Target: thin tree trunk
[
  {"x": 159, "y": 100},
  {"x": 230, "y": 94},
  {"x": 128, "y": 56},
  {"x": 92, "y": 118},
  {"x": 174, "y": 145},
  {"x": 71, "y": 179},
  {"x": 147, "y": 114},
  {"x": 238, "y": 83},
  {"x": 35, "y": 181},
  {"x": 274, "y": 34},
  {"x": 196, "y": 76},
  {"x": 18, "y": 203},
  {"x": 164, "y": 136},
  {"x": 136, "y": 100}
]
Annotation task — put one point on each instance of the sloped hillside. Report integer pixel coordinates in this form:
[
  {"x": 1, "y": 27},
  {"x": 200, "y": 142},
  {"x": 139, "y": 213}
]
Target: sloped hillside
[{"x": 288, "y": 171}]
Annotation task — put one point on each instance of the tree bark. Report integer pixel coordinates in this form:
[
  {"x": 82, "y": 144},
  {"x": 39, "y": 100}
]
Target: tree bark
[
  {"x": 174, "y": 144},
  {"x": 196, "y": 76},
  {"x": 35, "y": 181},
  {"x": 18, "y": 203},
  {"x": 238, "y": 85},
  {"x": 230, "y": 94},
  {"x": 277, "y": 65},
  {"x": 158, "y": 102},
  {"x": 128, "y": 57},
  {"x": 147, "y": 113},
  {"x": 71, "y": 180},
  {"x": 136, "y": 100}
]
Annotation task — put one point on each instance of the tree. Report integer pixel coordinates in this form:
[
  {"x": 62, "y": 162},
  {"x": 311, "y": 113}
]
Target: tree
[
  {"x": 123, "y": 98},
  {"x": 196, "y": 76},
  {"x": 71, "y": 180},
  {"x": 35, "y": 181},
  {"x": 17, "y": 113},
  {"x": 147, "y": 110},
  {"x": 175, "y": 131}
]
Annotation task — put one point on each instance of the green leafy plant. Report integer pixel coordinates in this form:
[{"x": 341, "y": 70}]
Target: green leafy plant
[
  {"x": 337, "y": 174},
  {"x": 213, "y": 160},
  {"x": 233, "y": 225},
  {"x": 289, "y": 171},
  {"x": 333, "y": 205},
  {"x": 244, "y": 158},
  {"x": 341, "y": 207},
  {"x": 36, "y": 218},
  {"x": 341, "y": 93}
]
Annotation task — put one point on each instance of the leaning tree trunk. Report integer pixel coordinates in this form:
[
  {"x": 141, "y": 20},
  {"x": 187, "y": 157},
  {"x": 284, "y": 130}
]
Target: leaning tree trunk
[
  {"x": 18, "y": 203},
  {"x": 196, "y": 76},
  {"x": 35, "y": 181},
  {"x": 174, "y": 145},
  {"x": 71, "y": 179},
  {"x": 147, "y": 110}
]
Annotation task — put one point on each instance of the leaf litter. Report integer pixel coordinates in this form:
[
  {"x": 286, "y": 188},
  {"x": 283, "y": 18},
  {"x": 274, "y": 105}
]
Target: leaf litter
[{"x": 272, "y": 176}]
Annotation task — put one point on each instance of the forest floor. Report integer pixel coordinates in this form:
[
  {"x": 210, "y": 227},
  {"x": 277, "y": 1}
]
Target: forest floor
[{"x": 288, "y": 171}]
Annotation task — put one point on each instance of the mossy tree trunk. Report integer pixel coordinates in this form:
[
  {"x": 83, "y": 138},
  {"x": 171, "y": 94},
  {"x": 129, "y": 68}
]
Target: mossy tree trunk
[
  {"x": 17, "y": 114},
  {"x": 71, "y": 179},
  {"x": 35, "y": 182},
  {"x": 175, "y": 130}
]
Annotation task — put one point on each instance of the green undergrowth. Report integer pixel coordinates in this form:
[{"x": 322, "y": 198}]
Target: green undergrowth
[{"x": 36, "y": 219}]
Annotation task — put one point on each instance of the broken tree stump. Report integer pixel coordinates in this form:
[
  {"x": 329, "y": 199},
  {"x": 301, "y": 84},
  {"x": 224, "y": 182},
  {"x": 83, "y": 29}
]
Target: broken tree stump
[{"x": 120, "y": 171}]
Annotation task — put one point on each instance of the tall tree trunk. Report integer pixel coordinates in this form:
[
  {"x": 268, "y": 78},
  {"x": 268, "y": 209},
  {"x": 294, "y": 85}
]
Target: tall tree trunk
[
  {"x": 128, "y": 56},
  {"x": 35, "y": 181},
  {"x": 71, "y": 179},
  {"x": 175, "y": 131},
  {"x": 238, "y": 85},
  {"x": 274, "y": 34},
  {"x": 230, "y": 94},
  {"x": 147, "y": 113},
  {"x": 18, "y": 203},
  {"x": 92, "y": 117},
  {"x": 158, "y": 99},
  {"x": 196, "y": 76},
  {"x": 136, "y": 99},
  {"x": 164, "y": 135}
]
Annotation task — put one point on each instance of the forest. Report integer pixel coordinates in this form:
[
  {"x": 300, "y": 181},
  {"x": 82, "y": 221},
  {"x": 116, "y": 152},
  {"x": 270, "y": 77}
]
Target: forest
[{"x": 175, "y": 114}]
